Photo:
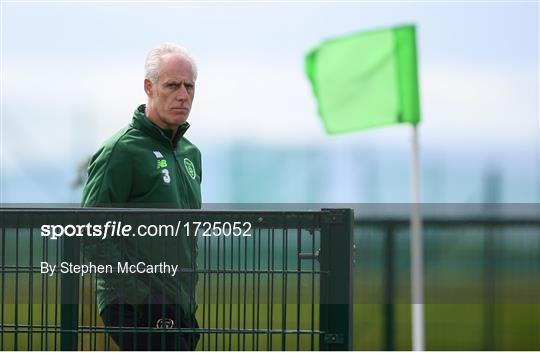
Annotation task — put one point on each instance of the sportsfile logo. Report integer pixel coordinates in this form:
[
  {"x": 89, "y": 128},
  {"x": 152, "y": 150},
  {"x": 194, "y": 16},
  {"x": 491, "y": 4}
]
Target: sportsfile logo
[{"x": 121, "y": 229}]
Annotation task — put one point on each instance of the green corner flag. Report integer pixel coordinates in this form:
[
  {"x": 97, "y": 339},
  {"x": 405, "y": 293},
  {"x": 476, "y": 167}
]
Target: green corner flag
[{"x": 366, "y": 79}]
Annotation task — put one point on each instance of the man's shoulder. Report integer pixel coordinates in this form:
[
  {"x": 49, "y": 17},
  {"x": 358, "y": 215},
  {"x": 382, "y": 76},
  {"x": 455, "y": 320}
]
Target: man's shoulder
[
  {"x": 187, "y": 145},
  {"x": 118, "y": 145},
  {"x": 123, "y": 141},
  {"x": 115, "y": 138}
]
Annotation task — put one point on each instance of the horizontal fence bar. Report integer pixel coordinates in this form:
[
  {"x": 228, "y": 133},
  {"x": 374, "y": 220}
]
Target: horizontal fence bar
[
  {"x": 36, "y": 270},
  {"x": 91, "y": 329}
]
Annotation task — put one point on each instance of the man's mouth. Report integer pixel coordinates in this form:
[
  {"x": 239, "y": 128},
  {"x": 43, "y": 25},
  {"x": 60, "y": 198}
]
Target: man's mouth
[{"x": 180, "y": 110}]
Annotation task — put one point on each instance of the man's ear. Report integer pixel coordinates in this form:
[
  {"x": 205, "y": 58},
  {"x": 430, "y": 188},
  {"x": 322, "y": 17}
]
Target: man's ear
[{"x": 148, "y": 88}]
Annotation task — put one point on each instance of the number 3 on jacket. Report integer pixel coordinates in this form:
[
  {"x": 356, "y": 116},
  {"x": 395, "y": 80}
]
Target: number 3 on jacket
[{"x": 166, "y": 176}]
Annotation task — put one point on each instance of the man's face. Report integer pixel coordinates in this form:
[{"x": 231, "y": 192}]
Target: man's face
[{"x": 170, "y": 98}]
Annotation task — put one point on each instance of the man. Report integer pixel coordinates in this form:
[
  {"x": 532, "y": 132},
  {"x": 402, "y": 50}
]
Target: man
[{"x": 150, "y": 164}]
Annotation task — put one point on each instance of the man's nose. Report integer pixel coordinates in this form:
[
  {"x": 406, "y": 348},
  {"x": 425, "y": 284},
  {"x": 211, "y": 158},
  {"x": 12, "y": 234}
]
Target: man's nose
[{"x": 182, "y": 93}]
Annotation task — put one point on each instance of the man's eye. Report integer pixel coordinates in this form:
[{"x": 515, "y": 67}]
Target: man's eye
[{"x": 176, "y": 86}]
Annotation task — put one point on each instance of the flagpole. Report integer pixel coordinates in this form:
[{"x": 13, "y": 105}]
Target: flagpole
[{"x": 416, "y": 249}]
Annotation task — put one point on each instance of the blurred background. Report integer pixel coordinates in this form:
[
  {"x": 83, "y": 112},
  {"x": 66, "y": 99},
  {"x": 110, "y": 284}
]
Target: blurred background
[{"x": 72, "y": 74}]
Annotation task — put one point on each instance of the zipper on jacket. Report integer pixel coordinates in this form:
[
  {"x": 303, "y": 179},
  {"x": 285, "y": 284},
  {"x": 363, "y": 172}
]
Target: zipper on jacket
[{"x": 181, "y": 175}]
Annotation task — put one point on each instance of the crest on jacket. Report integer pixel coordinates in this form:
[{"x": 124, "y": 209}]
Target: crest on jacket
[{"x": 190, "y": 168}]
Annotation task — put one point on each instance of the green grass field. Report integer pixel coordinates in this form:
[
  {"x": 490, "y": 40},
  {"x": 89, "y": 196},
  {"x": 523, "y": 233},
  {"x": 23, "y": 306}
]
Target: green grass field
[{"x": 474, "y": 326}]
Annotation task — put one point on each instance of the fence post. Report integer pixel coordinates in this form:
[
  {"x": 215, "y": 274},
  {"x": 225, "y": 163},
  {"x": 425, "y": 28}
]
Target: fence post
[
  {"x": 488, "y": 289},
  {"x": 336, "y": 284},
  {"x": 69, "y": 291},
  {"x": 388, "y": 283}
]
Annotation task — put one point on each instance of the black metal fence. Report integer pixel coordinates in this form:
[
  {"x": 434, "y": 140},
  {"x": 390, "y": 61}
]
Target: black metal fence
[
  {"x": 288, "y": 286},
  {"x": 481, "y": 280}
]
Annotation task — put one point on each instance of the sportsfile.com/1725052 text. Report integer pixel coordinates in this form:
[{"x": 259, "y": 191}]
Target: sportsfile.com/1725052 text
[{"x": 119, "y": 229}]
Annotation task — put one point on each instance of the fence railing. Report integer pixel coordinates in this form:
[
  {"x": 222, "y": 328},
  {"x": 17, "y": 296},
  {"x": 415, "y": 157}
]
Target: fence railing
[
  {"x": 481, "y": 280},
  {"x": 286, "y": 286}
]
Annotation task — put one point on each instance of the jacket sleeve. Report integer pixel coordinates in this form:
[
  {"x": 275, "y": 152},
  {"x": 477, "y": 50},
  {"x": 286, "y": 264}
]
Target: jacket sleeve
[{"x": 110, "y": 176}]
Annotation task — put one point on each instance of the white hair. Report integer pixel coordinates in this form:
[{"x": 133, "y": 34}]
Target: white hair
[{"x": 153, "y": 60}]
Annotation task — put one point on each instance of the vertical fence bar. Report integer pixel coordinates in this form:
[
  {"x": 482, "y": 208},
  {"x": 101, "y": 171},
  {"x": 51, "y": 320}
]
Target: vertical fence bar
[
  {"x": 57, "y": 255},
  {"x": 17, "y": 285},
  {"x": 336, "y": 280},
  {"x": 238, "y": 300},
  {"x": 488, "y": 277},
  {"x": 258, "y": 288},
  {"x": 312, "y": 321},
  {"x": 239, "y": 291},
  {"x": 3, "y": 300},
  {"x": 389, "y": 280},
  {"x": 93, "y": 314},
  {"x": 218, "y": 276},
  {"x": 245, "y": 294},
  {"x": 254, "y": 280},
  {"x": 82, "y": 304},
  {"x": 284, "y": 288},
  {"x": 231, "y": 277},
  {"x": 30, "y": 287},
  {"x": 223, "y": 293},
  {"x": 298, "y": 279},
  {"x": 44, "y": 302},
  {"x": 269, "y": 294},
  {"x": 204, "y": 304},
  {"x": 271, "y": 297},
  {"x": 69, "y": 294},
  {"x": 209, "y": 302}
]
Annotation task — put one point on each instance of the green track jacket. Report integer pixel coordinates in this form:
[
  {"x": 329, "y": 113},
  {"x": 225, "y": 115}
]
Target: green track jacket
[{"x": 141, "y": 166}]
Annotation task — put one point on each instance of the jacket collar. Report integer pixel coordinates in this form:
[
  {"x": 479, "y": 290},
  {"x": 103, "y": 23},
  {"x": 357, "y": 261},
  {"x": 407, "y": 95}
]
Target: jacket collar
[{"x": 143, "y": 123}]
